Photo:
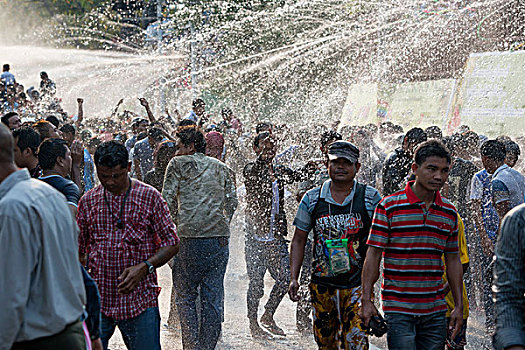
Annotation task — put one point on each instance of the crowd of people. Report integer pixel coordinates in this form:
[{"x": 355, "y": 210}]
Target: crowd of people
[{"x": 91, "y": 208}]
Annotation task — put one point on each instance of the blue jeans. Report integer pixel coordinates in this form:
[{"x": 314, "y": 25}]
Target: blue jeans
[
  {"x": 201, "y": 262},
  {"x": 410, "y": 332},
  {"x": 139, "y": 333}
]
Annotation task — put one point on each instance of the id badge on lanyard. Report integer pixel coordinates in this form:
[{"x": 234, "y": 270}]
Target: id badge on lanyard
[{"x": 338, "y": 255}]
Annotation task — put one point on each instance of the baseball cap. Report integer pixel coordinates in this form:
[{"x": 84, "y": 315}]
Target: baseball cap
[{"x": 343, "y": 149}]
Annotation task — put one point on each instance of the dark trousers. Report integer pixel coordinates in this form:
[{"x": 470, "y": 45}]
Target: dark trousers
[
  {"x": 304, "y": 305},
  {"x": 487, "y": 268},
  {"x": 200, "y": 263},
  {"x": 410, "y": 332},
  {"x": 260, "y": 257},
  {"x": 71, "y": 338}
]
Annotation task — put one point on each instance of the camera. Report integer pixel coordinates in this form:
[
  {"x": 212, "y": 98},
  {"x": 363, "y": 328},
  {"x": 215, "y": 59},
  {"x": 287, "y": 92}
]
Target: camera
[{"x": 377, "y": 326}]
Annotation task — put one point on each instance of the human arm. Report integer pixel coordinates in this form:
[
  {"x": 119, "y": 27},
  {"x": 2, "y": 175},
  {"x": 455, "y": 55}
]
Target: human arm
[
  {"x": 369, "y": 276},
  {"x": 296, "y": 261},
  {"x": 454, "y": 270},
  {"x": 501, "y": 198},
  {"x": 131, "y": 276},
  {"x": 145, "y": 104},
  {"x": 138, "y": 172},
  {"x": 80, "y": 113},
  {"x": 510, "y": 282},
  {"x": 77, "y": 157},
  {"x": 20, "y": 253},
  {"x": 170, "y": 188},
  {"x": 166, "y": 241},
  {"x": 230, "y": 195},
  {"x": 116, "y": 108}
]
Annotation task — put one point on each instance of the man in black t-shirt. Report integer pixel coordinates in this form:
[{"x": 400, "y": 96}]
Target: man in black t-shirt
[{"x": 55, "y": 160}]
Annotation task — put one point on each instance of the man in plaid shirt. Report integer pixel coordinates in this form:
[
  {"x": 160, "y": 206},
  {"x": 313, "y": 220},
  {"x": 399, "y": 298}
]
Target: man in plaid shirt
[{"x": 125, "y": 233}]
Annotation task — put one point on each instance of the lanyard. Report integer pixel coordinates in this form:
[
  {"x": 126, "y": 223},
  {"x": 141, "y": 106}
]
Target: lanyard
[
  {"x": 120, "y": 225},
  {"x": 350, "y": 212}
]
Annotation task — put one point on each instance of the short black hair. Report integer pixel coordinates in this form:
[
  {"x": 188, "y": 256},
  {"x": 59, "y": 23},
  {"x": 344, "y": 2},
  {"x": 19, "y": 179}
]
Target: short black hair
[
  {"x": 434, "y": 132},
  {"x": 7, "y": 116},
  {"x": 329, "y": 136},
  {"x": 156, "y": 134},
  {"x": 512, "y": 147},
  {"x": 431, "y": 148},
  {"x": 53, "y": 120},
  {"x": 68, "y": 128},
  {"x": 93, "y": 142},
  {"x": 415, "y": 135},
  {"x": 261, "y": 126},
  {"x": 198, "y": 103},
  {"x": 49, "y": 151},
  {"x": 193, "y": 136},
  {"x": 27, "y": 138},
  {"x": 494, "y": 150},
  {"x": 260, "y": 137},
  {"x": 186, "y": 122},
  {"x": 111, "y": 154},
  {"x": 6, "y": 67}
]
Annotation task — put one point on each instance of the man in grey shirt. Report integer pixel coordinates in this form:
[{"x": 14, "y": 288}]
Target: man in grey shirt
[
  {"x": 201, "y": 194},
  {"x": 42, "y": 294},
  {"x": 510, "y": 282}
]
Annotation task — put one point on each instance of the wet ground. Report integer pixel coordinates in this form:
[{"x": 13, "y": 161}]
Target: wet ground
[{"x": 235, "y": 327}]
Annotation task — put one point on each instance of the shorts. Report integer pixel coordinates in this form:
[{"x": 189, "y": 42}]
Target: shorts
[{"x": 337, "y": 324}]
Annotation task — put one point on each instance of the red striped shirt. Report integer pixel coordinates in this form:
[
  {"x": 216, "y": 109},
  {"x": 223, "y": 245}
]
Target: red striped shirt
[{"x": 413, "y": 239}]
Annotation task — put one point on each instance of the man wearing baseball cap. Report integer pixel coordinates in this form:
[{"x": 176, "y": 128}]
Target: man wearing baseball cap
[{"x": 340, "y": 214}]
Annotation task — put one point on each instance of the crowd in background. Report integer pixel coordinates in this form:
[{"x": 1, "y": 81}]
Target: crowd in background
[{"x": 151, "y": 190}]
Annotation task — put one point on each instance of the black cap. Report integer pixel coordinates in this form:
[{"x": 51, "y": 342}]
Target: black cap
[{"x": 343, "y": 149}]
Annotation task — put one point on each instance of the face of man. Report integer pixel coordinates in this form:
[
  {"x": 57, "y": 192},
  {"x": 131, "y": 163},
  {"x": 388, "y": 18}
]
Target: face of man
[
  {"x": 54, "y": 133},
  {"x": 65, "y": 162},
  {"x": 142, "y": 127},
  {"x": 19, "y": 158},
  {"x": 115, "y": 179},
  {"x": 267, "y": 149},
  {"x": 199, "y": 110},
  {"x": 433, "y": 173},
  {"x": 14, "y": 122},
  {"x": 342, "y": 170},
  {"x": 68, "y": 137},
  {"x": 511, "y": 159},
  {"x": 183, "y": 150}
]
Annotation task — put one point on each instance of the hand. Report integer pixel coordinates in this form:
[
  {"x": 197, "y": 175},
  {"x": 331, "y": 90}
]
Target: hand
[
  {"x": 131, "y": 277},
  {"x": 293, "y": 290},
  {"x": 456, "y": 322},
  {"x": 97, "y": 344},
  {"x": 80, "y": 100},
  {"x": 367, "y": 311},
  {"x": 77, "y": 152},
  {"x": 120, "y": 102},
  {"x": 143, "y": 102}
]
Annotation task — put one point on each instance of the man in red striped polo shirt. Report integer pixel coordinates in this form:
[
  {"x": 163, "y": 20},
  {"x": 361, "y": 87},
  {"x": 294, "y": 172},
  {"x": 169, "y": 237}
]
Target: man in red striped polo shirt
[{"x": 413, "y": 228}]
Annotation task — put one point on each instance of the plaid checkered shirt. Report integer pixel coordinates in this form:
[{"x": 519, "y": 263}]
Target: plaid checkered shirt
[{"x": 146, "y": 227}]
